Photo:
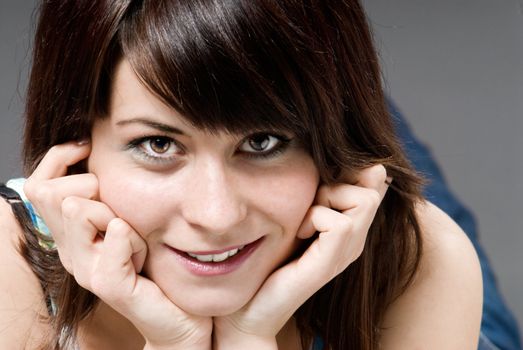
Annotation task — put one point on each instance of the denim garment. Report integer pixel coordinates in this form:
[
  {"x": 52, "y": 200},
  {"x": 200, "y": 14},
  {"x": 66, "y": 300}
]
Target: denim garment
[
  {"x": 484, "y": 344},
  {"x": 498, "y": 326}
]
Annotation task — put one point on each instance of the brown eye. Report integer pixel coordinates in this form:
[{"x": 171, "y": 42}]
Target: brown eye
[
  {"x": 160, "y": 145},
  {"x": 260, "y": 143}
]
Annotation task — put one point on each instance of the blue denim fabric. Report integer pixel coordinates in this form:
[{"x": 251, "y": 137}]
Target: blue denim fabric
[
  {"x": 317, "y": 344},
  {"x": 498, "y": 326},
  {"x": 484, "y": 344}
]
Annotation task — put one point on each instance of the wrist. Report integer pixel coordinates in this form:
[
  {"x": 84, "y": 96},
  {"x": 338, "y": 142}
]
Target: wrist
[
  {"x": 179, "y": 346},
  {"x": 238, "y": 341},
  {"x": 176, "y": 347}
]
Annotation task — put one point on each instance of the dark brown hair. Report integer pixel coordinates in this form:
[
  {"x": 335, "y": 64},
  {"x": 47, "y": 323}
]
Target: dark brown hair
[{"x": 305, "y": 66}]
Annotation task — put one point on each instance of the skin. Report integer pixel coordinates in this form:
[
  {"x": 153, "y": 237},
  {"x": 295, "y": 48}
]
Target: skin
[{"x": 233, "y": 199}]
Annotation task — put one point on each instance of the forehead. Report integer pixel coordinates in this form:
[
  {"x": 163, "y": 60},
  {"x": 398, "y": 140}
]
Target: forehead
[
  {"x": 130, "y": 96},
  {"x": 131, "y": 99}
]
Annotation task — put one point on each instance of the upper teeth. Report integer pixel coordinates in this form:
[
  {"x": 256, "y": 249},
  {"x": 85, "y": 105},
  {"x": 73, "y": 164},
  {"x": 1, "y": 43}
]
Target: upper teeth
[{"x": 216, "y": 257}]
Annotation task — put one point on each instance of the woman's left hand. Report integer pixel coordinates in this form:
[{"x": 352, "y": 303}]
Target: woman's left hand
[{"x": 342, "y": 214}]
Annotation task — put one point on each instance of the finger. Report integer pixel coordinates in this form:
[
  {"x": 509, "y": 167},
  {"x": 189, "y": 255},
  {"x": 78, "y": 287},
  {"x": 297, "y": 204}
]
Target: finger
[
  {"x": 343, "y": 197},
  {"x": 122, "y": 256},
  {"x": 341, "y": 241},
  {"x": 324, "y": 259},
  {"x": 123, "y": 249},
  {"x": 81, "y": 215},
  {"x": 140, "y": 300},
  {"x": 374, "y": 177},
  {"x": 342, "y": 216},
  {"x": 50, "y": 193},
  {"x": 59, "y": 158},
  {"x": 350, "y": 200},
  {"x": 321, "y": 219},
  {"x": 83, "y": 220},
  {"x": 48, "y": 197},
  {"x": 79, "y": 185},
  {"x": 138, "y": 247}
]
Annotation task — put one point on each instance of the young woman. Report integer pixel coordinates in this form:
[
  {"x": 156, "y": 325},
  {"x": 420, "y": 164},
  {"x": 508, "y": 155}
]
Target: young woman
[{"x": 222, "y": 174}]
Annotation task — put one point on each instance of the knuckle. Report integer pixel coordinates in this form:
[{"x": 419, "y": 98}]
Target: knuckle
[
  {"x": 118, "y": 229},
  {"x": 118, "y": 235},
  {"x": 380, "y": 172},
  {"x": 54, "y": 150},
  {"x": 40, "y": 193},
  {"x": 345, "y": 223},
  {"x": 376, "y": 198},
  {"x": 315, "y": 210},
  {"x": 91, "y": 183},
  {"x": 29, "y": 187},
  {"x": 373, "y": 198},
  {"x": 71, "y": 207}
]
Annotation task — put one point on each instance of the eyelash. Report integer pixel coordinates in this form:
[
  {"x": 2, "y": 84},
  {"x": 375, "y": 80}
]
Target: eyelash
[
  {"x": 283, "y": 143},
  {"x": 136, "y": 146}
]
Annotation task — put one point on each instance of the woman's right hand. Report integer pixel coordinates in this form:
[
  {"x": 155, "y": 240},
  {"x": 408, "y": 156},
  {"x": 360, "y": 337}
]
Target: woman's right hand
[{"x": 105, "y": 254}]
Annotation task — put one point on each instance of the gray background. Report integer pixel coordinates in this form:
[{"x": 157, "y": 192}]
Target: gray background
[{"x": 455, "y": 67}]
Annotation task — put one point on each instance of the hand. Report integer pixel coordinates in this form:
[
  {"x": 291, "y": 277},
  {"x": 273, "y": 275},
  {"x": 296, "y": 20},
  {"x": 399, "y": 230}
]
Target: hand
[
  {"x": 342, "y": 214},
  {"x": 105, "y": 254}
]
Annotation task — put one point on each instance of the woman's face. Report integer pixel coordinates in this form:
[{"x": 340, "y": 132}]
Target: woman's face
[{"x": 219, "y": 212}]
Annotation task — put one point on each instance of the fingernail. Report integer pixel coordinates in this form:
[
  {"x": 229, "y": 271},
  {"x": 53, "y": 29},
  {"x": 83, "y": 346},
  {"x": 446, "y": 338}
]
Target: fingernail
[{"x": 83, "y": 142}]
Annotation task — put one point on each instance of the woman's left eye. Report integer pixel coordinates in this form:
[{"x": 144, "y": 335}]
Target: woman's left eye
[{"x": 263, "y": 144}]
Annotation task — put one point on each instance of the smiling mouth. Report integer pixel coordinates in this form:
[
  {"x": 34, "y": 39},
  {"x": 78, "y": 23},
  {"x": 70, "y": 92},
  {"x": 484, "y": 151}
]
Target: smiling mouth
[
  {"x": 218, "y": 262},
  {"x": 216, "y": 257}
]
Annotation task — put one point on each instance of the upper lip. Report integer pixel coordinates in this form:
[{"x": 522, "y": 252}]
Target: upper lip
[{"x": 216, "y": 251}]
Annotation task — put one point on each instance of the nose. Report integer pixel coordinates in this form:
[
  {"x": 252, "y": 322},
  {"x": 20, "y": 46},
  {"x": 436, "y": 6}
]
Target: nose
[{"x": 213, "y": 202}]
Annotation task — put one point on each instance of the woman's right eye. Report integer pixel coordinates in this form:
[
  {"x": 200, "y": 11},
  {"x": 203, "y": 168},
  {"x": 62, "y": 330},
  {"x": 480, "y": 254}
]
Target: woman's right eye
[{"x": 156, "y": 148}]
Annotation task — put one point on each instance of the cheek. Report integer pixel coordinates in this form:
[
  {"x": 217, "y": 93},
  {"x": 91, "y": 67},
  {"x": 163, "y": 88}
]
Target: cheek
[
  {"x": 136, "y": 199},
  {"x": 289, "y": 196},
  {"x": 133, "y": 194}
]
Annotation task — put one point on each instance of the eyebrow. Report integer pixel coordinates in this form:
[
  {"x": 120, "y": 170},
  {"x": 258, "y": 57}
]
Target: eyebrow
[{"x": 152, "y": 124}]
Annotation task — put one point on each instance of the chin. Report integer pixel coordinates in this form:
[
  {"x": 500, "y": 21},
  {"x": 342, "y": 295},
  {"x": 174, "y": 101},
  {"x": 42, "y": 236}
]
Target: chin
[
  {"x": 213, "y": 310},
  {"x": 212, "y": 304}
]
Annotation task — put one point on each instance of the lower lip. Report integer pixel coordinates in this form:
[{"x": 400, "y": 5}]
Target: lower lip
[{"x": 229, "y": 265}]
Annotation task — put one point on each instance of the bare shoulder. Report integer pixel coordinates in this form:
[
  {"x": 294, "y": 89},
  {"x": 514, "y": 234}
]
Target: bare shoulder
[
  {"x": 445, "y": 243},
  {"x": 21, "y": 301},
  {"x": 442, "y": 307}
]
